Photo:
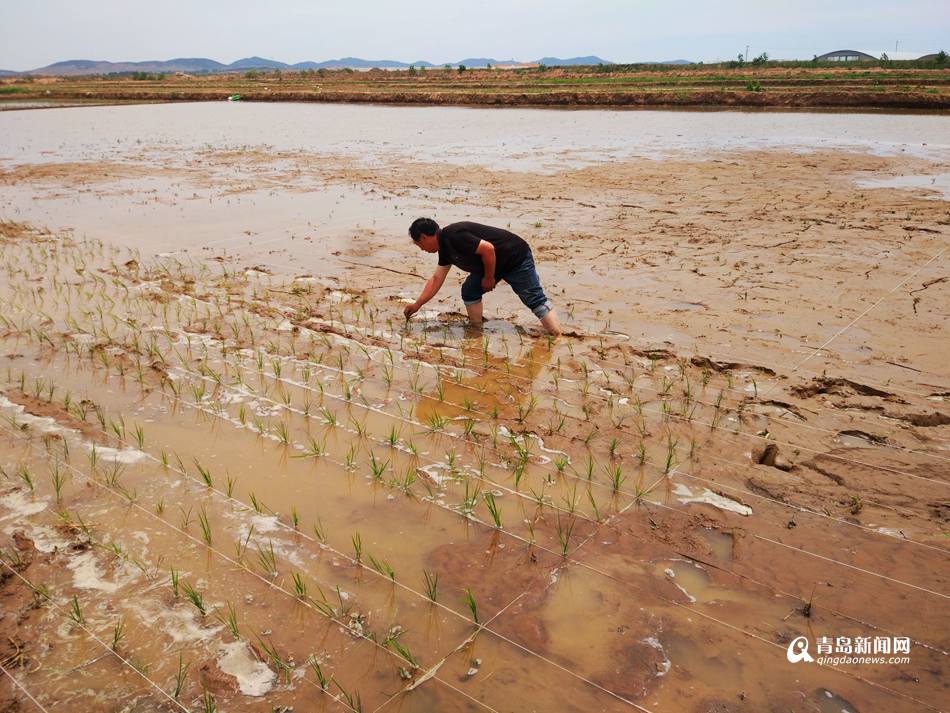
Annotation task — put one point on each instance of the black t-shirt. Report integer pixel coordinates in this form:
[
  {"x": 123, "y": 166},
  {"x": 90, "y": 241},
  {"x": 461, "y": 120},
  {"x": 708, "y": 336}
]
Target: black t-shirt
[{"x": 457, "y": 244}]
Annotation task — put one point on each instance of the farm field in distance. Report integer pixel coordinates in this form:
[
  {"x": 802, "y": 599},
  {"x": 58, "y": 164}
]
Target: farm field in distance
[
  {"x": 800, "y": 86},
  {"x": 235, "y": 478}
]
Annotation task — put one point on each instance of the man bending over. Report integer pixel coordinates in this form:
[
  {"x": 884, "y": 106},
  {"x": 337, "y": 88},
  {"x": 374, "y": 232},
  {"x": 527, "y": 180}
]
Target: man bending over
[{"x": 489, "y": 255}]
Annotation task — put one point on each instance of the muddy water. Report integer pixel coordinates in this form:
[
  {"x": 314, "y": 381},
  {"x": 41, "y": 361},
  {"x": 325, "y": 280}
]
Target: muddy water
[
  {"x": 227, "y": 178},
  {"x": 304, "y": 464},
  {"x": 508, "y": 138},
  {"x": 605, "y": 498}
]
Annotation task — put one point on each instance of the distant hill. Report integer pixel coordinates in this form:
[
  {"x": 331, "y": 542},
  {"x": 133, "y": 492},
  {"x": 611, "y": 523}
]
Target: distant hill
[
  {"x": 198, "y": 65},
  {"x": 194, "y": 64},
  {"x": 257, "y": 63},
  {"x": 485, "y": 61},
  {"x": 74, "y": 67},
  {"x": 573, "y": 61},
  {"x": 357, "y": 63}
]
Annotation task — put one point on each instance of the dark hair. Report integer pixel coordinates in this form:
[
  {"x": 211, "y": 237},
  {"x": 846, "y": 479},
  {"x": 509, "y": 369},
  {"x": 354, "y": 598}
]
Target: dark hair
[{"x": 423, "y": 226}]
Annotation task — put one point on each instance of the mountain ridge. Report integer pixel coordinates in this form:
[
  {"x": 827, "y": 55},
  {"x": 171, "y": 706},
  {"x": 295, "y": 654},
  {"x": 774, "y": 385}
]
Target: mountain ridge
[{"x": 197, "y": 65}]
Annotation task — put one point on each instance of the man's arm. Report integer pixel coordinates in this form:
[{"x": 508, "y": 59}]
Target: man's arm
[
  {"x": 429, "y": 291},
  {"x": 486, "y": 251}
]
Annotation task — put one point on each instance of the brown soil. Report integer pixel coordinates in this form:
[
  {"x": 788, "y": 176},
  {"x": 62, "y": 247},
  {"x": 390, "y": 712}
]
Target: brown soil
[
  {"x": 742, "y": 277},
  {"x": 747, "y": 87}
]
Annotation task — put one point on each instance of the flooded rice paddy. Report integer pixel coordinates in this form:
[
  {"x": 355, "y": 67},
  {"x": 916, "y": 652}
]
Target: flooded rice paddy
[{"x": 234, "y": 477}]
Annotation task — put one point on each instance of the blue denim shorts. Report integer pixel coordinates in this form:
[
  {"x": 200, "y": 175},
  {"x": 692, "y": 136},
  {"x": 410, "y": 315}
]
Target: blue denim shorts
[{"x": 523, "y": 279}]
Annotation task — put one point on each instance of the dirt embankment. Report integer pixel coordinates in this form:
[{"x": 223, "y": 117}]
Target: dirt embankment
[
  {"x": 712, "y": 99},
  {"x": 889, "y": 89}
]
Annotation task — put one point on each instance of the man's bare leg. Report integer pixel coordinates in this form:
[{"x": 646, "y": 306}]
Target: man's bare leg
[
  {"x": 549, "y": 322},
  {"x": 474, "y": 312}
]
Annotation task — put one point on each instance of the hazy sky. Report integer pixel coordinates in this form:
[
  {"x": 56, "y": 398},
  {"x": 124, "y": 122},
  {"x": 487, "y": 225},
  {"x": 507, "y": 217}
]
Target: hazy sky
[{"x": 38, "y": 32}]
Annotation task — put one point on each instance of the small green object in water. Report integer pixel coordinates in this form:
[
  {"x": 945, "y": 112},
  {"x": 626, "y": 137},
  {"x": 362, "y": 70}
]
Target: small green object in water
[{"x": 234, "y": 98}]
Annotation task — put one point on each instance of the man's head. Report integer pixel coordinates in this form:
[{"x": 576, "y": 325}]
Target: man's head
[{"x": 424, "y": 232}]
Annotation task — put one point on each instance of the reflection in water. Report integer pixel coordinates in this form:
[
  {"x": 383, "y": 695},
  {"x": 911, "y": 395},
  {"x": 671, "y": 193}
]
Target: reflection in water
[{"x": 489, "y": 382}]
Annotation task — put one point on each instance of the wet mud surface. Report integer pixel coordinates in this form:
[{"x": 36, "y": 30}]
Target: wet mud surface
[{"x": 234, "y": 476}]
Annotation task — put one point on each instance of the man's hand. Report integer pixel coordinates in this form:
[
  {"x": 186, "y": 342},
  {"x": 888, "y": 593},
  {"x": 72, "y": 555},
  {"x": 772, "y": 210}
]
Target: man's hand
[
  {"x": 488, "y": 283},
  {"x": 410, "y": 310}
]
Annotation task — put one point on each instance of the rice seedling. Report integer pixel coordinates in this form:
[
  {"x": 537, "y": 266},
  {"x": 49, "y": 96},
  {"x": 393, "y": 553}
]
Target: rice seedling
[
  {"x": 437, "y": 422},
  {"x": 615, "y": 475},
  {"x": 139, "y": 436},
  {"x": 524, "y": 411},
  {"x": 614, "y": 444},
  {"x": 256, "y": 504},
  {"x": 350, "y": 457},
  {"x": 205, "y": 526},
  {"x": 300, "y": 586},
  {"x": 118, "y": 632},
  {"x": 807, "y": 607},
  {"x": 357, "y": 547},
  {"x": 451, "y": 458},
  {"x": 207, "y": 702},
  {"x": 270, "y": 651},
  {"x": 404, "y": 652},
  {"x": 471, "y": 498},
  {"x": 471, "y": 604},
  {"x": 640, "y": 491},
  {"x": 377, "y": 467},
  {"x": 493, "y": 508},
  {"x": 41, "y": 593},
  {"x": 319, "y": 531},
  {"x": 593, "y": 505},
  {"x": 408, "y": 479},
  {"x": 58, "y": 480},
  {"x": 521, "y": 448},
  {"x": 322, "y": 680},
  {"x": 194, "y": 596},
  {"x": 24, "y": 473},
  {"x": 180, "y": 675},
  {"x": 564, "y": 534},
  {"x": 431, "y": 582},
  {"x": 383, "y": 567},
  {"x": 267, "y": 559},
  {"x": 75, "y": 611},
  {"x": 393, "y": 437},
  {"x": 283, "y": 433},
  {"x": 670, "y": 452},
  {"x": 353, "y": 702},
  {"x": 205, "y": 473},
  {"x": 666, "y": 410},
  {"x": 13, "y": 558},
  {"x": 329, "y": 418},
  {"x": 322, "y": 605},
  {"x": 112, "y": 474},
  {"x": 570, "y": 500}
]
